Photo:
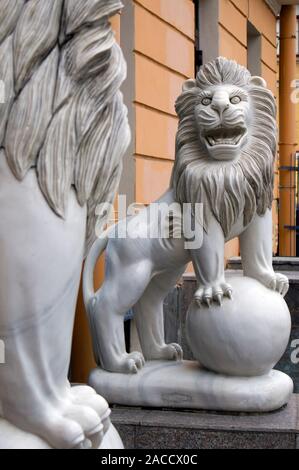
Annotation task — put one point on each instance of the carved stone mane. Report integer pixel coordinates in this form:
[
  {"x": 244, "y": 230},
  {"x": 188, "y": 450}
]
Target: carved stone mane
[
  {"x": 63, "y": 113},
  {"x": 227, "y": 189}
]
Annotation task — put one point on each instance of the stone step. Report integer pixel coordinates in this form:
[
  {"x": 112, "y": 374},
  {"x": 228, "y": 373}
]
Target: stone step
[
  {"x": 172, "y": 429},
  {"x": 279, "y": 263}
]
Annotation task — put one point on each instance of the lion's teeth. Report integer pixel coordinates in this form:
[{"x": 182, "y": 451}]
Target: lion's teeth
[
  {"x": 223, "y": 139},
  {"x": 210, "y": 140}
]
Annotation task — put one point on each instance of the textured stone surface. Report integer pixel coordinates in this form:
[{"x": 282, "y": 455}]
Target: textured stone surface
[
  {"x": 164, "y": 429},
  {"x": 127, "y": 434},
  {"x": 138, "y": 437},
  {"x": 163, "y": 438},
  {"x": 247, "y": 440},
  {"x": 283, "y": 420}
]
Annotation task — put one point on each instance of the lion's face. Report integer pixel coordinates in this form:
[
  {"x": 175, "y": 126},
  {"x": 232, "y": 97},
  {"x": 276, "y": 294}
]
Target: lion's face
[
  {"x": 223, "y": 119},
  {"x": 225, "y": 144}
]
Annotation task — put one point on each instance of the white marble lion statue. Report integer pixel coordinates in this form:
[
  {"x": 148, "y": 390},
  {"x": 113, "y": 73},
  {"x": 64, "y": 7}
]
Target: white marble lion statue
[{"x": 225, "y": 151}]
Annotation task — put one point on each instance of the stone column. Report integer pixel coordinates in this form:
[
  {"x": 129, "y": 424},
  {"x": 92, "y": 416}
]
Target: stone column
[{"x": 287, "y": 131}]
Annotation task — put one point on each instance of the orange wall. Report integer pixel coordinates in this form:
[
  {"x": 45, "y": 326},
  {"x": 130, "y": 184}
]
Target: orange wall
[
  {"x": 233, "y": 17},
  {"x": 164, "y": 59}
]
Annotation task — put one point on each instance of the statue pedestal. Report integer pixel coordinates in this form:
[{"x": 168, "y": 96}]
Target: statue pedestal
[
  {"x": 12, "y": 437},
  {"x": 186, "y": 385},
  {"x": 177, "y": 429}
]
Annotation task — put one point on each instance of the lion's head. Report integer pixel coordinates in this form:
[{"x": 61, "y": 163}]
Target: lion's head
[{"x": 226, "y": 143}]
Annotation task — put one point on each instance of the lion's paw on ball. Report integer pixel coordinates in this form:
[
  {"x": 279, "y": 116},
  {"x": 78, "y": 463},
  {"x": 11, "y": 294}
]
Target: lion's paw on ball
[{"x": 245, "y": 336}]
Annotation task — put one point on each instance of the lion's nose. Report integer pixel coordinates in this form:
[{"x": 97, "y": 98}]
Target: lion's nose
[{"x": 220, "y": 106}]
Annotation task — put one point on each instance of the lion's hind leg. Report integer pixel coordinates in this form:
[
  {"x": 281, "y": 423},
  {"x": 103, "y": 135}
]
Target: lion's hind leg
[
  {"x": 124, "y": 284},
  {"x": 150, "y": 321},
  {"x": 38, "y": 294}
]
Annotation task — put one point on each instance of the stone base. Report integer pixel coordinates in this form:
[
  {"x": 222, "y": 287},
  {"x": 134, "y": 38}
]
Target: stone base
[
  {"x": 12, "y": 437},
  {"x": 174, "y": 429},
  {"x": 186, "y": 385}
]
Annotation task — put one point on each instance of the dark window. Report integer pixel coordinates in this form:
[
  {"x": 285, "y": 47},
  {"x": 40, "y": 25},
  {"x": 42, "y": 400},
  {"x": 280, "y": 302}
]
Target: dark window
[
  {"x": 198, "y": 51},
  {"x": 254, "y": 50}
]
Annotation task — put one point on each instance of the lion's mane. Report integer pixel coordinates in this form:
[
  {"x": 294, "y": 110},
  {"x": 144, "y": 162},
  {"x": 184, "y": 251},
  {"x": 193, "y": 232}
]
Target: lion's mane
[
  {"x": 63, "y": 113},
  {"x": 234, "y": 188}
]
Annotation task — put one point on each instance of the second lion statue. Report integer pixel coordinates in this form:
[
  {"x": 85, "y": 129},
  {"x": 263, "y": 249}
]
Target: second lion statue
[{"x": 225, "y": 151}]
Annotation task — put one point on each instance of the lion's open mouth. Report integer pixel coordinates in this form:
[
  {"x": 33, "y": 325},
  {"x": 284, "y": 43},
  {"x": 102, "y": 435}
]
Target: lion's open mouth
[{"x": 223, "y": 136}]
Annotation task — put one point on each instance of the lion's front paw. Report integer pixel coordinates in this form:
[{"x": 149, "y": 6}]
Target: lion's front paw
[
  {"x": 272, "y": 280},
  {"x": 206, "y": 294},
  {"x": 279, "y": 283}
]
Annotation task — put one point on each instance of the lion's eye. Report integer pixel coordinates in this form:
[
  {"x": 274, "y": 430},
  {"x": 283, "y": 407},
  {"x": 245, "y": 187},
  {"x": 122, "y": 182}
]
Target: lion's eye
[
  {"x": 206, "y": 101},
  {"x": 235, "y": 100}
]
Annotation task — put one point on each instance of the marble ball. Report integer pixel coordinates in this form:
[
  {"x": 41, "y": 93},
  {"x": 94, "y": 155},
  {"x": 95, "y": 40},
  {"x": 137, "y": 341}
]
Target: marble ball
[{"x": 245, "y": 336}]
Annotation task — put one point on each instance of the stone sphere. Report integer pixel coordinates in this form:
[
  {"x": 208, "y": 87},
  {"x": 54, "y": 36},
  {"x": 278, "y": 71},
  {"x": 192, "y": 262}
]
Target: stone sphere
[{"x": 246, "y": 336}]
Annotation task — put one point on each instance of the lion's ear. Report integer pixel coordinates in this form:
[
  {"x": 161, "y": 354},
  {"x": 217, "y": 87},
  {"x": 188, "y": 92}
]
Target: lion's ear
[
  {"x": 189, "y": 84},
  {"x": 258, "y": 81}
]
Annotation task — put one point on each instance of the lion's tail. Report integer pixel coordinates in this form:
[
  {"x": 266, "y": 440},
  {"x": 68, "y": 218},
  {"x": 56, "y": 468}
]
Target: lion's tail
[{"x": 96, "y": 250}]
